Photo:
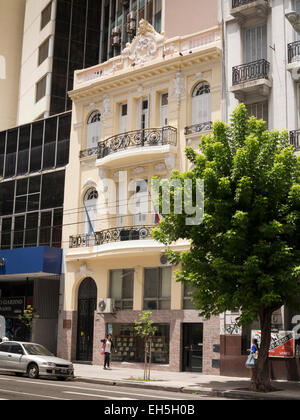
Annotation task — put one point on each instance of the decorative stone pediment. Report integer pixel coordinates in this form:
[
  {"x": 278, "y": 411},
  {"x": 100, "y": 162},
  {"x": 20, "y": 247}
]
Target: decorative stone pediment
[{"x": 145, "y": 46}]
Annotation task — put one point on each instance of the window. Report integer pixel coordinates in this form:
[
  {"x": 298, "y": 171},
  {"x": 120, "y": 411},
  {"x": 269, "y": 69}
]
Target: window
[
  {"x": 41, "y": 89},
  {"x": 43, "y": 51},
  {"x": 187, "y": 296},
  {"x": 255, "y": 43},
  {"x": 123, "y": 118},
  {"x": 93, "y": 130},
  {"x": 90, "y": 210},
  {"x": 201, "y": 104},
  {"x": 50, "y": 143},
  {"x": 164, "y": 100},
  {"x": 11, "y": 153},
  {"x": 258, "y": 110},
  {"x": 5, "y": 347},
  {"x": 53, "y": 190},
  {"x": 16, "y": 349},
  {"x": 23, "y": 151},
  {"x": 2, "y": 151},
  {"x": 130, "y": 347},
  {"x": 46, "y": 15},
  {"x": 143, "y": 114},
  {"x": 297, "y": 9},
  {"x": 140, "y": 203},
  {"x": 121, "y": 288},
  {"x": 157, "y": 288}
]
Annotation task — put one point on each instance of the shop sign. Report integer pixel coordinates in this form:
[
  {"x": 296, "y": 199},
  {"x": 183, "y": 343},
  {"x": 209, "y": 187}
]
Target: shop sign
[
  {"x": 282, "y": 343},
  {"x": 12, "y": 306}
]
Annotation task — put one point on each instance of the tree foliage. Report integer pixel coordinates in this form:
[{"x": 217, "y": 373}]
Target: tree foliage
[{"x": 245, "y": 254}]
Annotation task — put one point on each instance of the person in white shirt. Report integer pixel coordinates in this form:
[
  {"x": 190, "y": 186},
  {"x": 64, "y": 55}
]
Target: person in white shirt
[{"x": 107, "y": 348}]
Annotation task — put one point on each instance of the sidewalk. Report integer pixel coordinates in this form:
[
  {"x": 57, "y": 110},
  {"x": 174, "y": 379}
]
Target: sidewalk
[{"x": 219, "y": 386}]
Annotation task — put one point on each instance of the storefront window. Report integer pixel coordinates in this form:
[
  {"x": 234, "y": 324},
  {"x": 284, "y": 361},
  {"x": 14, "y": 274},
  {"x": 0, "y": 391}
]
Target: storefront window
[{"x": 130, "y": 347}]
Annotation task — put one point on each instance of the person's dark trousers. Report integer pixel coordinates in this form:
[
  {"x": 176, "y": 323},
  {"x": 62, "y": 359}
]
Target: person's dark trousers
[{"x": 107, "y": 360}]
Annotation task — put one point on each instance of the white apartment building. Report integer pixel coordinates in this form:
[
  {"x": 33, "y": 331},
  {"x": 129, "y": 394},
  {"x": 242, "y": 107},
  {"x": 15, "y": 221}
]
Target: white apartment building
[
  {"x": 261, "y": 67},
  {"x": 261, "y": 62}
]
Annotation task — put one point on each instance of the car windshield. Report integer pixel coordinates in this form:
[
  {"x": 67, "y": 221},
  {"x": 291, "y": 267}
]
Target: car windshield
[{"x": 36, "y": 350}]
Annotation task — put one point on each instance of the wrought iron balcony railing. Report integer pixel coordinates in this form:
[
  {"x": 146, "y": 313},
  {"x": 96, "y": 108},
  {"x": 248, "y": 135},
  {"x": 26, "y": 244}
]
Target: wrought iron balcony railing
[
  {"x": 198, "y": 128},
  {"x": 238, "y": 3},
  {"x": 136, "y": 139},
  {"x": 251, "y": 71},
  {"x": 120, "y": 234},
  {"x": 294, "y": 51},
  {"x": 295, "y": 139},
  {"x": 89, "y": 152}
]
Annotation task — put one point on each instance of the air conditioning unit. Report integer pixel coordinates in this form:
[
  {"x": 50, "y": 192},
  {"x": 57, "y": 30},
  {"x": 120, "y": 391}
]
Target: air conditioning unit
[
  {"x": 131, "y": 22},
  {"x": 106, "y": 306},
  {"x": 116, "y": 36}
]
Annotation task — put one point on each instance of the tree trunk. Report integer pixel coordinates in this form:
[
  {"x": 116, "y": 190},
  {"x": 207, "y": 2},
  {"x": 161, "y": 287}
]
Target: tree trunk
[
  {"x": 261, "y": 381},
  {"x": 145, "y": 367},
  {"x": 150, "y": 357}
]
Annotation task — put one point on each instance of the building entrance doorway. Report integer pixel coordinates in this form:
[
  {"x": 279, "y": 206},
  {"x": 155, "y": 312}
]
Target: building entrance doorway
[
  {"x": 87, "y": 303},
  {"x": 192, "y": 352}
]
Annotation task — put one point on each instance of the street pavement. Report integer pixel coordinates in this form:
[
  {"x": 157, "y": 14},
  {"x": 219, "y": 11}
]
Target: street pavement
[
  {"x": 184, "y": 382},
  {"x": 22, "y": 388}
]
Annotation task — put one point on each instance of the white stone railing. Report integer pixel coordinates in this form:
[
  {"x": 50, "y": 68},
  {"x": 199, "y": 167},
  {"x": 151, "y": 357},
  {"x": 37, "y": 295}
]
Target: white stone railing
[{"x": 144, "y": 50}]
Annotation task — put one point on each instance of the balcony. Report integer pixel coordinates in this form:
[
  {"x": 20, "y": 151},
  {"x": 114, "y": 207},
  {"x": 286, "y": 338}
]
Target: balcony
[
  {"x": 245, "y": 9},
  {"x": 198, "y": 128},
  {"x": 294, "y": 60},
  {"x": 251, "y": 79},
  {"x": 121, "y": 234},
  {"x": 295, "y": 139},
  {"x": 137, "y": 146}
]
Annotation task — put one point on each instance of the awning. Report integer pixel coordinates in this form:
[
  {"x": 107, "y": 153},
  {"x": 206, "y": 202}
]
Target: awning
[{"x": 30, "y": 262}]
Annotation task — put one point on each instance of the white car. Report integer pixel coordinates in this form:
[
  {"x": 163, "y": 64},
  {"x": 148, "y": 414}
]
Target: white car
[{"x": 33, "y": 360}]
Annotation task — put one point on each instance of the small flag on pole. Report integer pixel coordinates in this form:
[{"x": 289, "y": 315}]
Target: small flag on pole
[{"x": 157, "y": 218}]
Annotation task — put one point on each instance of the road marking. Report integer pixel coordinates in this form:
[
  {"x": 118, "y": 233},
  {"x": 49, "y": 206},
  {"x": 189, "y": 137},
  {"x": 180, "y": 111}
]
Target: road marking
[
  {"x": 94, "y": 389},
  {"x": 105, "y": 397},
  {"x": 32, "y": 395}
]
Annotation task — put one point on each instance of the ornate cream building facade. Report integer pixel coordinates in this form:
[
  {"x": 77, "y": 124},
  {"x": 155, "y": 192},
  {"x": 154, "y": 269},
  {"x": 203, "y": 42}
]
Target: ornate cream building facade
[{"x": 133, "y": 117}]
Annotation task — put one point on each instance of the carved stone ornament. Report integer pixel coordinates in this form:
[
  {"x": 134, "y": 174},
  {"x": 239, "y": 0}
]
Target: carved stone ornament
[
  {"x": 145, "y": 46},
  {"x": 179, "y": 87},
  {"x": 84, "y": 271}
]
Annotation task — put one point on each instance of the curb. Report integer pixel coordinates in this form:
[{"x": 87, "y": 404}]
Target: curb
[{"x": 208, "y": 392}]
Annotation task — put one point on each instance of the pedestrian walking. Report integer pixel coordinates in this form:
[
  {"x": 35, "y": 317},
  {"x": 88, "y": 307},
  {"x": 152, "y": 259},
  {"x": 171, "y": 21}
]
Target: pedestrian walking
[
  {"x": 107, "y": 348},
  {"x": 253, "y": 356}
]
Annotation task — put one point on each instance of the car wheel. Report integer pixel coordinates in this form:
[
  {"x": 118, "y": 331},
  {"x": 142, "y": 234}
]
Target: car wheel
[{"x": 33, "y": 371}]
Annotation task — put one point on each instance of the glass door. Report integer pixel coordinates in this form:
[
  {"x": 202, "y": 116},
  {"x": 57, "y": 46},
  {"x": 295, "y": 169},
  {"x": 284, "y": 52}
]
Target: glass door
[{"x": 192, "y": 347}]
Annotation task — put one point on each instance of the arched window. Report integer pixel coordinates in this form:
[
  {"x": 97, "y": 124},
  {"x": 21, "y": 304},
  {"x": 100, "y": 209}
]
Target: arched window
[
  {"x": 93, "y": 130},
  {"x": 90, "y": 209},
  {"x": 201, "y": 105}
]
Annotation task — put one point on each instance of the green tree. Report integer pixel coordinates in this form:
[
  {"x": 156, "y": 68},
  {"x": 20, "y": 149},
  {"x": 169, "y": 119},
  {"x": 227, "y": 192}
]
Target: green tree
[
  {"x": 245, "y": 254},
  {"x": 146, "y": 330},
  {"x": 29, "y": 314}
]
